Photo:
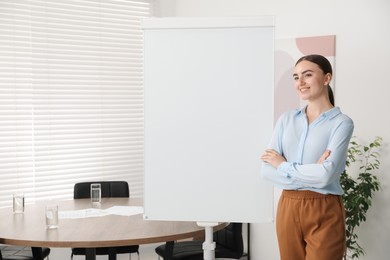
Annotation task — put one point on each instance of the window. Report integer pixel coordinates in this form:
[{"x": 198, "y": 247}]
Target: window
[{"x": 71, "y": 95}]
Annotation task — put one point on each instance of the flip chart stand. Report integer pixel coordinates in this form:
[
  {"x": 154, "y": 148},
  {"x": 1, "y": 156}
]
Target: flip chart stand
[{"x": 208, "y": 245}]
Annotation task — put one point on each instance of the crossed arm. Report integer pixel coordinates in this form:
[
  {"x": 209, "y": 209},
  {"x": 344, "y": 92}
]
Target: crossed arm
[{"x": 275, "y": 159}]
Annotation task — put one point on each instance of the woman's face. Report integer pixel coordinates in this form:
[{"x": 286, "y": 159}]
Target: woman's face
[{"x": 310, "y": 81}]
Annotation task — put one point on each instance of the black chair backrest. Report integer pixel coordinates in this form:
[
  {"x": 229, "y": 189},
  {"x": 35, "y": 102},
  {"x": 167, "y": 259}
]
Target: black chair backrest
[
  {"x": 23, "y": 252},
  {"x": 231, "y": 237},
  {"x": 82, "y": 190}
]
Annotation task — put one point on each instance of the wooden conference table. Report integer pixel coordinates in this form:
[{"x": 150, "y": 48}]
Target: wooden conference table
[{"x": 29, "y": 228}]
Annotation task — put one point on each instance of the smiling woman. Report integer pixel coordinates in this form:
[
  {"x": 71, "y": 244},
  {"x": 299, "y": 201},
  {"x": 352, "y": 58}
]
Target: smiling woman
[
  {"x": 312, "y": 73},
  {"x": 305, "y": 158}
]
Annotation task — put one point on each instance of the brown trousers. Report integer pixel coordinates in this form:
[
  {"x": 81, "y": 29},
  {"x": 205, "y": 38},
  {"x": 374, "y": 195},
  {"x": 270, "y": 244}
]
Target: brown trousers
[{"x": 310, "y": 226}]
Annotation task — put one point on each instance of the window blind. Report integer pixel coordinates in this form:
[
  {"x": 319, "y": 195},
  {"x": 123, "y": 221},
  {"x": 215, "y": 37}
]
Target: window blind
[{"x": 71, "y": 95}]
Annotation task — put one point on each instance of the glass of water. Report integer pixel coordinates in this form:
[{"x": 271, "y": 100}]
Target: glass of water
[
  {"x": 18, "y": 203},
  {"x": 51, "y": 212},
  {"x": 96, "y": 193}
]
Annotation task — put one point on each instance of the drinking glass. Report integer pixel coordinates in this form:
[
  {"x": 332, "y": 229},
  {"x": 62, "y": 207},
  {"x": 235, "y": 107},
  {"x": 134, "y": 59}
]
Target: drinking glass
[
  {"x": 51, "y": 216},
  {"x": 18, "y": 203},
  {"x": 96, "y": 193}
]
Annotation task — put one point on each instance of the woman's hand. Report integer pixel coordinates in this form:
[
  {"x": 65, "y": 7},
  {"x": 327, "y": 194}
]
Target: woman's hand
[
  {"x": 272, "y": 157},
  {"x": 324, "y": 156}
]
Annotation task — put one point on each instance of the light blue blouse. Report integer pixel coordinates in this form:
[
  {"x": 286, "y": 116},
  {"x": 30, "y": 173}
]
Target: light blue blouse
[{"x": 302, "y": 145}]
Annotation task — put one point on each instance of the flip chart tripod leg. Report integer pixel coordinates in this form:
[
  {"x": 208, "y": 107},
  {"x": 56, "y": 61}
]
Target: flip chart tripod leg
[{"x": 209, "y": 244}]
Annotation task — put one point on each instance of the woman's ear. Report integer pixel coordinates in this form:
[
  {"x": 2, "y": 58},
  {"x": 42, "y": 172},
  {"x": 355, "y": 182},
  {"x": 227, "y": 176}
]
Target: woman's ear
[{"x": 328, "y": 78}]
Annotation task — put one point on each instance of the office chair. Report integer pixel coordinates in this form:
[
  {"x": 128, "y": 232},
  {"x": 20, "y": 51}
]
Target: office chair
[
  {"x": 109, "y": 189},
  {"x": 229, "y": 244},
  {"x": 22, "y": 253}
]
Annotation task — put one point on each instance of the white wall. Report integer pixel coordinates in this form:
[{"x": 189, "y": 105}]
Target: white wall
[{"x": 362, "y": 30}]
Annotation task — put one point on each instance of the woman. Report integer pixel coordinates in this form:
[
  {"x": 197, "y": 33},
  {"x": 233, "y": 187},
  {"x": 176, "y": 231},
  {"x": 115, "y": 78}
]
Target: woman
[{"x": 305, "y": 158}]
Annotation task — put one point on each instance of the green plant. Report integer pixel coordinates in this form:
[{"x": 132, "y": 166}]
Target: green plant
[{"x": 359, "y": 188}]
